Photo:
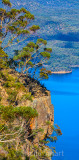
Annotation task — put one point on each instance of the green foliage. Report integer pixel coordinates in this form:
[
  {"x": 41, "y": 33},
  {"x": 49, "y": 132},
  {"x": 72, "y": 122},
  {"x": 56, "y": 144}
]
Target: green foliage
[
  {"x": 13, "y": 154},
  {"x": 30, "y": 63},
  {"x": 44, "y": 73},
  {"x": 9, "y": 77},
  {"x": 25, "y": 53},
  {"x": 52, "y": 127},
  {"x": 0, "y": 42},
  {"x": 6, "y": 2},
  {"x": 31, "y": 45},
  {"x": 23, "y": 32},
  {"x": 3, "y": 59},
  {"x": 44, "y": 141},
  {"x": 32, "y": 157},
  {"x": 35, "y": 131},
  {"x": 28, "y": 15},
  {"x": 48, "y": 123},
  {"x": 3, "y": 54},
  {"x": 34, "y": 28},
  {"x": 39, "y": 41},
  {"x": 48, "y": 49},
  {"x": 53, "y": 139},
  {"x": 43, "y": 154},
  {"x": 20, "y": 19},
  {"x": 2, "y": 156},
  {"x": 45, "y": 54},
  {"x": 26, "y": 158},
  {"x": 12, "y": 87},
  {"x": 10, "y": 82},
  {"x": 18, "y": 85},
  {"x": 23, "y": 10},
  {"x": 9, "y": 113},
  {"x": 58, "y": 131},
  {"x": 2, "y": 76},
  {"x": 2, "y": 127},
  {"x": 2, "y": 10},
  {"x": 30, "y": 58},
  {"x": 27, "y": 96},
  {"x": 12, "y": 95},
  {"x": 25, "y": 112}
]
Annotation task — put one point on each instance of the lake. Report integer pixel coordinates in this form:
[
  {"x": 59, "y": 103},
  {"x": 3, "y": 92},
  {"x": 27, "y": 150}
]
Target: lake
[{"x": 65, "y": 98}]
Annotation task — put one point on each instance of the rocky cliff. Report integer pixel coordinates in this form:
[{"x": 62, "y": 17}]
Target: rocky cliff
[
  {"x": 45, "y": 113},
  {"x": 38, "y": 98}
]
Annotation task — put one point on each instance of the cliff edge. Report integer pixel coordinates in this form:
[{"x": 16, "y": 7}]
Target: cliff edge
[{"x": 28, "y": 92}]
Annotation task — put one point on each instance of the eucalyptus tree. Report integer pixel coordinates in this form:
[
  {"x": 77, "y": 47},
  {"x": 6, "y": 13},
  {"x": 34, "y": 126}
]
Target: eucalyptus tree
[{"x": 15, "y": 27}]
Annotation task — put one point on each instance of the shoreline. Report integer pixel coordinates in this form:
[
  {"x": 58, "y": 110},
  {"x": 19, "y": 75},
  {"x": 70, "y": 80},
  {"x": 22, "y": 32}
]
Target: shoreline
[
  {"x": 61, "y": 72},
  {"x": 75, "y": 66}
]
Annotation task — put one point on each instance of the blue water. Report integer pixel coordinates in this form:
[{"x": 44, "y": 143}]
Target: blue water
[{"x": 65, "y": 98}]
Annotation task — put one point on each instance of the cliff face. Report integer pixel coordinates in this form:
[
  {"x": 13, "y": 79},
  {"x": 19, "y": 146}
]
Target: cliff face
[
  {"x": 41, "y": 101},
  {"x": 45, "y": 113}
]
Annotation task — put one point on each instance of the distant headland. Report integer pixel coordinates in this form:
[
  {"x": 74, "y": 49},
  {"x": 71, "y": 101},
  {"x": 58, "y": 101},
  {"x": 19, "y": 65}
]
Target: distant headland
[
  {"x": 75, "y": 66},
  {"x": 61, "y": 72}
]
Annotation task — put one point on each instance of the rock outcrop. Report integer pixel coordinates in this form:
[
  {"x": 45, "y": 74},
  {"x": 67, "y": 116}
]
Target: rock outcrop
[
  {"x": 45, "y": 113},
  {"x": 41, "y": 101}
]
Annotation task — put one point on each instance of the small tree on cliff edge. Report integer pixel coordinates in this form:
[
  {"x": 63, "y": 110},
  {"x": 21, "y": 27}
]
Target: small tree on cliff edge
[{"x": 15, "y": 27}]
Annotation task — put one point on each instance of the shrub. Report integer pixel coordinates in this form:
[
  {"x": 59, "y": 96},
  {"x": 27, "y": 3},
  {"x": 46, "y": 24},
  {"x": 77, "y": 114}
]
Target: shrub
[
  {"x": 32, "y": 157},
  {"x": 25, "y": 112},
  {"x": 27, "y": 96},
  {"x": 12, "y": 96},
  {"x": 14, "y": 155},
  {"x": 9, "y": 113}
]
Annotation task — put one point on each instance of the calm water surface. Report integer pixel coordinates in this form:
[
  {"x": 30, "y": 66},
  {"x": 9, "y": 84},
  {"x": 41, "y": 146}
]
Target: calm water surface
[{"x": 65, "y": 98}]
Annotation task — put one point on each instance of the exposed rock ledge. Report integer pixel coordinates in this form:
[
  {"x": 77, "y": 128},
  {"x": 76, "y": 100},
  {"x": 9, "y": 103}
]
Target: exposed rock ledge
[{"x": 45, "y": 113}]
